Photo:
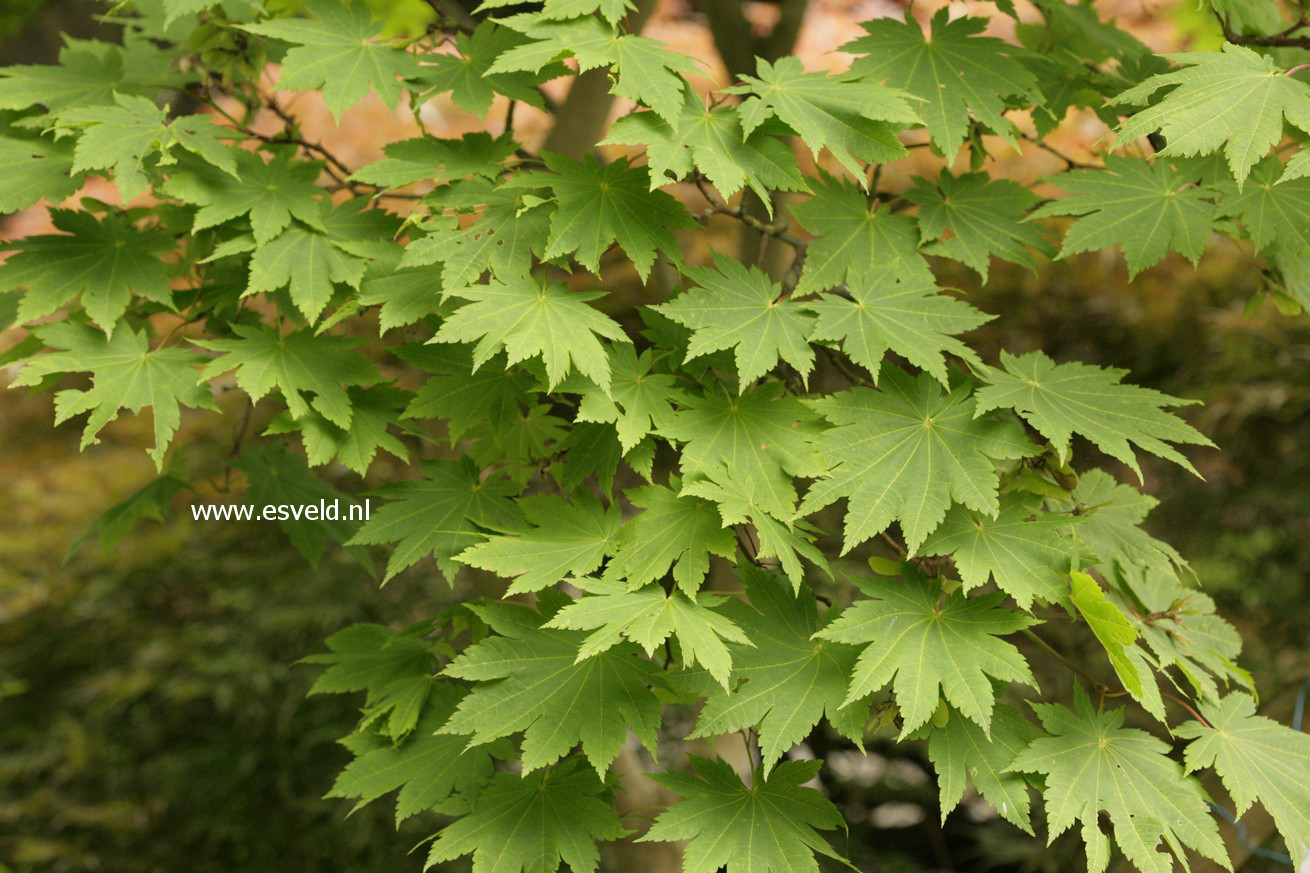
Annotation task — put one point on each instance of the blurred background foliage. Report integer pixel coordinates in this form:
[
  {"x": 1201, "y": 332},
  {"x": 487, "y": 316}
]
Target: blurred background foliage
[{"x": 151, "y": 714}]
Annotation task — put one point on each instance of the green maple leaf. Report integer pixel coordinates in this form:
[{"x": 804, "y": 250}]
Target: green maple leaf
[
  {"x": 564, "y": 538},
  {"x": 369, "y": 657},
  {"x": 403, "y": 295},
  {"x": 427, "y": 767},
  {"x": 1274, "y": 214},
  {"x": 920, "y": 643},
  {"x": 770, "y": 826},
  {"x": 528, "y": 317},
  {"x": 373, "y": 413},
  {"x": 269, "y": 192},
  {"x": 533, "y": 823},
  {"x": 1190, "y": 636},
  {"x": 1027, "y": 552},
  {"x": 88, "y": 73},
  {"x": 857, "y": 241},
  {"x": 854, "y": 120},
  {"x": 1112, "y": 513},
  {"x": 465, "y": 398},
  {"x": 310, "y": 263},
  {"x": 34, "y": 169},
  {"x": 1063, "y": 399},
  {"x": 638, "y": 401},
  {"x": 710, "y": 140},
  {"x": 962, "y": 751},
  {"x": 984, "y": 218},
  {"x": 532, "y": 681},
  {"x": 909, "y": 317},
  {"x": 1145, "y": 209},
  {"x": 601, "y": 204},
  {"x": 1094, "y": 765},
  {"x": 648, "y": 616},
  {"x": 125, "y": 374},
  {"x": 1258, "y": 759},
  {"x": 296, "y": 362},
  {"x": 1236, "y": 98},
  {"x": 508, "y": 232},
  {"x": 466, "y": 74},
  {"x": 954, "y": 71},
  {"x": 438, "y": 160},
  {"x": 735, "y": 307},
  {"x": 438, "y": 515},
  {"x": 644, "y": 70},
  {"x": 124, "y": 135},
  {"x": 335, "y": 53},
  {"x": 789, "y": 680},
  {"x": 906, "y": 453},
  {"x": 786, "y": 539},
  {"x": 672, "y": 532},
  {"x": 1119, "y": 638},
  {"x": 104, "y": 262},
  {"x": 761, "y": 437}
]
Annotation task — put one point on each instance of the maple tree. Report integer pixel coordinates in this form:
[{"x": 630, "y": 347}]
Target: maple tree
[{"x": 672, "y": 490}]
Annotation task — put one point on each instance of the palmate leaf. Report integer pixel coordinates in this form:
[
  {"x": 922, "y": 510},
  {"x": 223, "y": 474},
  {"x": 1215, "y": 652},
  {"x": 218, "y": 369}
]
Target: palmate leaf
[
  {"x": 639, "y": 400},
  {"x": 531, "y": 680},
  {"x": 972, "y": 218},
  {"x": 1063, "y": 399},
  {"x": 648, "y": 617},
  {"x": 438, "y": 160},
  {"x": 961, "y": 751},
  {"x": 1112, "y": 513},
  {"x": 598, "y": 205},
  {"x": 920, "y": 643},
  {"x": 733, "y": 306},
  {"x": 1258, "y": 759},
  {"x": 953, "y": 70},
  {"x": 565, "y": 538},
  {"x": 438, "y": 515},
  {"x": 644, "y": 70},
  {"x": 36, "y": 169},
  {"x": 464, "y": 398},
  {"x": 126, "y": 374},
  {"x": 1144, "y": 208},
  {"x": 857, "y": 241},
  {"x": 88, "y": 74},
  {"x": 1236, "y": 98},
  {"x": 789, "y": 680},
  {"x": 906, "y": 453},
  {"x": 671, "y": 533},
  {"x": 508, "y": 232},
  {"x": 427, "y": 767},
  {"x": 374, "y": 411},
  {"x": 276, "y": 475},
  {"x": 529, "y": 317},
  {"x": 854, "y": 120},
  {"x": 465, "y": 74},
  {"x": 1274, "y": 214},
  {"x": 770, "y": 826},
  {"x": 104, "y": 262},
  {"x": 123, "y": 136},
  {"x": 761, "y": 437},
  {"x": 878, "y": 313},
  {"x": 1028, "y": 553},
  {"x": 294, "y": 363},
  {"x": 270, "y": 192},
  {"x": 785, "y": 539},
  {"x": 533, "y": 823},
  {"x": 309, "y": 264},
  {"x": 1094, "y": 765},
  {"x": 336, "y": 53},
  {"x": 710, "y": 140}
]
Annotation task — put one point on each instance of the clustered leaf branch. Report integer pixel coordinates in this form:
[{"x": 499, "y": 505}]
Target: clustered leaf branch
[{"x": 678, "y": 467}]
